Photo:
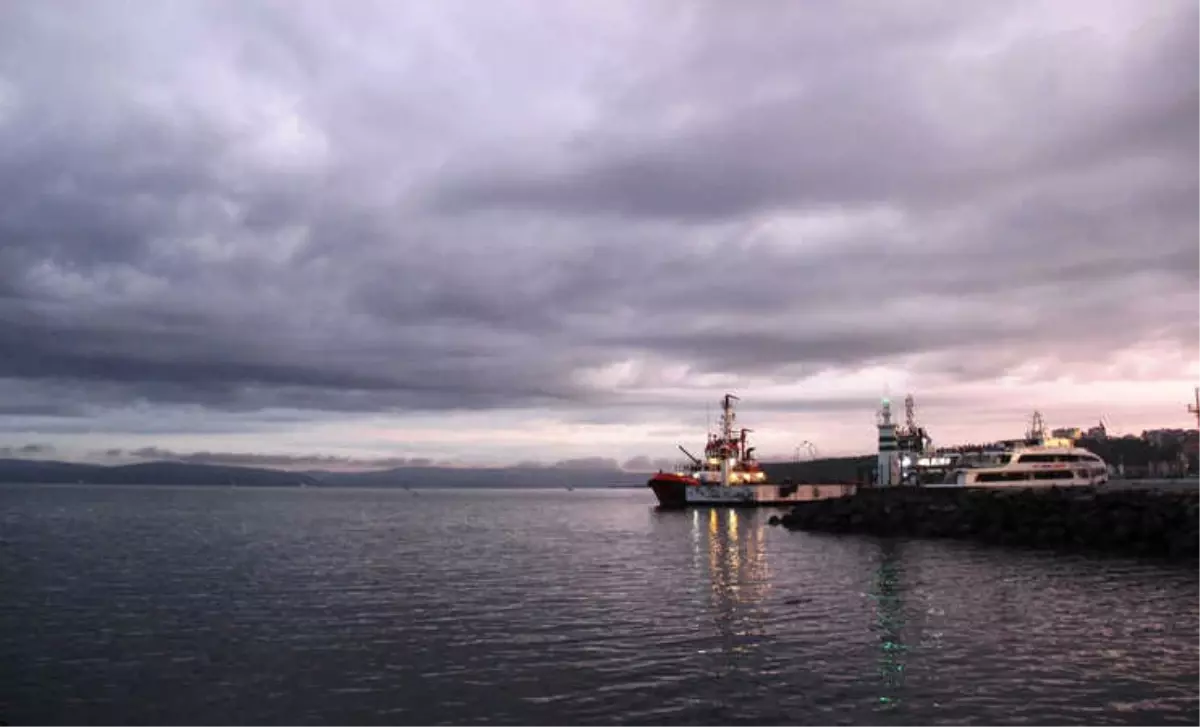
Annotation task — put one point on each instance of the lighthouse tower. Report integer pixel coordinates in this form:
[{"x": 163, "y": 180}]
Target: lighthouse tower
[{"x": 889, "y": 455}]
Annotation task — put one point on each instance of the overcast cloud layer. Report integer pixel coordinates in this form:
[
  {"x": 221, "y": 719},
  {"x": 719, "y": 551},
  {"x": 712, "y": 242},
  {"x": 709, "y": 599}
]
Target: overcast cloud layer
[{"x": 505, "y": 231}]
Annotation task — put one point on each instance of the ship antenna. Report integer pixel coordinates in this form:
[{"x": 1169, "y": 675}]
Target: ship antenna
[{"x": 727, "y": 417}]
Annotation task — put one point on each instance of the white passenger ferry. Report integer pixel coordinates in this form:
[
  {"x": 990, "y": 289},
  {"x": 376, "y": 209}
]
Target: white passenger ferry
[{"x": 1029, "y": 466}]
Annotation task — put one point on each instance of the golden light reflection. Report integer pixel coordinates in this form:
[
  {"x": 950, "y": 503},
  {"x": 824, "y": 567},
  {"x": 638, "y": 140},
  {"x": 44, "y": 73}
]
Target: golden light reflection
[{"x": 738, "y": 579}]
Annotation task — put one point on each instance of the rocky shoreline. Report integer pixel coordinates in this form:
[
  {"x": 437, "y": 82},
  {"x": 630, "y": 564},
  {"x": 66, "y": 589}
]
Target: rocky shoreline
[{"x": 1147, "y": 522}]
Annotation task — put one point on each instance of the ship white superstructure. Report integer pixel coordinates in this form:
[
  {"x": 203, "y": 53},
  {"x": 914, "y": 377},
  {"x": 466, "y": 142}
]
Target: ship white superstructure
[{"x": 1035, "y": 465}]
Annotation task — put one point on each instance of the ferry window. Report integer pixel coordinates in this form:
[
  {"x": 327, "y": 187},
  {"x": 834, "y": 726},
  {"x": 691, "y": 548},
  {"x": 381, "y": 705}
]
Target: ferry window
[
  {"x": 1001, "y": 476},
  {"x": 1036, "y": 458},
  {"x": 1051, "y": 475}
]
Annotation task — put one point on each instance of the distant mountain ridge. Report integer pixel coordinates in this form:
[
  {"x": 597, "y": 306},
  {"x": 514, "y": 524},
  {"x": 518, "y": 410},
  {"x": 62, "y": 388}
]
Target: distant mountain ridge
[
  {"x": 146, "y": 473},
  {"x": 482, "y": 477},
  {"x": 186, "y": 473},
  {"x": 180, "y": 473}
]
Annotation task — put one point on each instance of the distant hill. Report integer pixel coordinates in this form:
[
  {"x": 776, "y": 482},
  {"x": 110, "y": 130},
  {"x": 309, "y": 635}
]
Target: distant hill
[
  {"x": 38, "y": 471},
  {"x": 839, "y": 469},
  {"x": 1135, "y": 454},
  {"x": 181, "y": 473},
  {"x": 1132, "y": 450},
  {"x": 147, "y": 473},
  {"x": 482, "y": 477}
]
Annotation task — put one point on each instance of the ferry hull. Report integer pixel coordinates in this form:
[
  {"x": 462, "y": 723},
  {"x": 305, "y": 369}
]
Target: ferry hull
[
  {"x": 1019, "y": 484},
  {"x": 678, "y": 492}
]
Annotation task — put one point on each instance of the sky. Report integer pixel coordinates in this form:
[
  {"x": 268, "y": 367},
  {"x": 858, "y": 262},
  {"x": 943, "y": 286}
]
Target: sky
[{"x": 368, "y": 233}]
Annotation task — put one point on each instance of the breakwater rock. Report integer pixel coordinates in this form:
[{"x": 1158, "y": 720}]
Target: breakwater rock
[{"x": 1135, "y": 522}]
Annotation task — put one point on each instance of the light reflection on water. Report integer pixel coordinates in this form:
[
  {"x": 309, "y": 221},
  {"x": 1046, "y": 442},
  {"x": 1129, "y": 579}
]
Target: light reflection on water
[
  {"x": 739, "y": 572},
  {"x": 889, "y": 618},
  {"x": 134, "y": 605},
  {"x": 739, "y": 579}
]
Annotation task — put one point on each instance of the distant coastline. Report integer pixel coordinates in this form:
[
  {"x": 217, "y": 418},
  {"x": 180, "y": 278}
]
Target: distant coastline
[
  {"x": 1136, "y": 456},
  {"x": 28, "y": 471}
]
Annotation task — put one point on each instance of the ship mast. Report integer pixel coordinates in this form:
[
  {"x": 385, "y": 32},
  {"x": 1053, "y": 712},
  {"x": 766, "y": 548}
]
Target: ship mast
[
  {"x": 1195, "y": 408},
  {"x": 727, "y": 416},
  {"x": 727, "y": 440}
]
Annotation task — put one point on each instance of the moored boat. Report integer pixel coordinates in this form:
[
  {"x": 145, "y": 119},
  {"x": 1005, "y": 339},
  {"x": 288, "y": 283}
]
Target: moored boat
[
  {"x": 1034, "y": 461},
  {"x": 1034, "y": 465},
  {"x": 728, "y": 474}
]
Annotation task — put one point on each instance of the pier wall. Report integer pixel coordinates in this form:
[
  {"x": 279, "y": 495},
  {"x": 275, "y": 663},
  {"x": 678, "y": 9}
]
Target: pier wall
[
  {"x": 1151, "y": 522},
  {"x": 829, "y": 470}
]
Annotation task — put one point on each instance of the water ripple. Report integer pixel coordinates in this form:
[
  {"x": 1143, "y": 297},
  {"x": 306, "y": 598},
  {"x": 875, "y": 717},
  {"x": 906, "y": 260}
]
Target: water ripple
[{"x": 180, "y": 606}]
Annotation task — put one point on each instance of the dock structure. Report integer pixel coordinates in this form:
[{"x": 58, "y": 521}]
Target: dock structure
[{"x": 1161, "y": 522}]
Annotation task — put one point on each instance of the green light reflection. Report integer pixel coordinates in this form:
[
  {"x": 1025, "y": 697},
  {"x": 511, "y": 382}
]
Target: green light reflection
[{"x": 889, "y": 623}]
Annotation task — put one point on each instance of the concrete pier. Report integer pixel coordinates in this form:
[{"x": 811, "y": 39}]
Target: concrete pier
[{"x": 1152, "y": 522}]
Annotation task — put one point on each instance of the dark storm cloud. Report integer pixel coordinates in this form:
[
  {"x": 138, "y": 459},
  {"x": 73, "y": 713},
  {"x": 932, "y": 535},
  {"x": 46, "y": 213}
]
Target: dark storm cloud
[
  {"x": 889, "y": 125},
  {"x": 254, "y": 207},
  {"x": 27, "y": 450},
  {"x": 47, "y": 409},
  {"x": 1085, "y": 183}
]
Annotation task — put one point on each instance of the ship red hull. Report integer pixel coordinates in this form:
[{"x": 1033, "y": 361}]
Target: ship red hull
[{"x": 670, "y": 489}]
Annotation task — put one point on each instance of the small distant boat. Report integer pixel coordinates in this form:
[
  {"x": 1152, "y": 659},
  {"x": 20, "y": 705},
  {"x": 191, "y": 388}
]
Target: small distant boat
[{"x": 729, "y": 475}]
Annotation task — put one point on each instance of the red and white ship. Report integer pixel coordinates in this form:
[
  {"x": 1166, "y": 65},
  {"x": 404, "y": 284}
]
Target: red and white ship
[{"x": 729, "y": 475}]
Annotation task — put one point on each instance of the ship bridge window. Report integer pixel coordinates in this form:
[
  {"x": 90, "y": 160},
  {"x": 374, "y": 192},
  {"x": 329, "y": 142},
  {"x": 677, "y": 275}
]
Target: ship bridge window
[
  {"x": 1036, "y": 458},
  {"x": 1024, "y": 458}
]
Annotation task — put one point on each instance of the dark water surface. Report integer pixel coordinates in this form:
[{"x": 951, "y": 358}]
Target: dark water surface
[{"x": 147, "y": 605}]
